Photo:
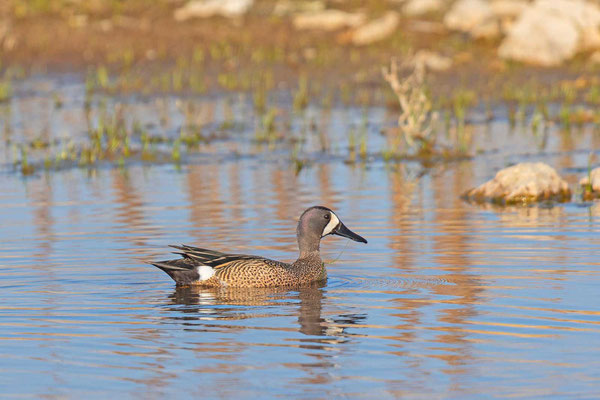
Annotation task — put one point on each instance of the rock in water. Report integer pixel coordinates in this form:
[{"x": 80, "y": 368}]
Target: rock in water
[{"x": 522, "y": 183}]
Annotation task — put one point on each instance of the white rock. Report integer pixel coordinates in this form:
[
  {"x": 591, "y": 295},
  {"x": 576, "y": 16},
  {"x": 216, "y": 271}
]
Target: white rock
[
  {"x": 289, "y": 7},
  {"x": 5, "y": 28},
  {"x": 7, "y": 39},
  {"x": 522, "y": 183},
  {"x": 508, "y": 8},
  {"x": 595, "y": 57},
  {"x": 376, "y": 30},
  {"x": 552, "y": 31},
  {"x": 583, "y": 14},
  {"x": 467, "y": 14},
  {"x": 210, "y": 8},
  {"x": 414, "y": 8},
  {"x": 422, "y": 26},
  {"x": 595, "y": 182},
  {"x": 540, "y": 37},
  {"x": 327, "y": 20},
  {"x": 488, "y": 29},
  {"x": 432, "y": 61}
]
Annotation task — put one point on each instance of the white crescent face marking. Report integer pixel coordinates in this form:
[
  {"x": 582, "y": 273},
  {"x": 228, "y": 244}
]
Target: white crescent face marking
[
  {"x": 205, "y": 272},
  {"x": 331, "y": 225}
]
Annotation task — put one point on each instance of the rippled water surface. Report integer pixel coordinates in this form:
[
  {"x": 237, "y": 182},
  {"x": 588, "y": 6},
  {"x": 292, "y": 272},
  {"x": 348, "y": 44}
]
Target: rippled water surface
[{"x": 447, "y": 300}]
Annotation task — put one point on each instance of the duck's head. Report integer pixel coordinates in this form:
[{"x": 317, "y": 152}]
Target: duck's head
[{"x": 318, "y": 222}]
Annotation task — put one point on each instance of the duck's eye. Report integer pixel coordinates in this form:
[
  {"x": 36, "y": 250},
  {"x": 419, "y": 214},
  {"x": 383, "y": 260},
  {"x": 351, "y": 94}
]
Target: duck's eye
[{"x": 327, "y": 216}]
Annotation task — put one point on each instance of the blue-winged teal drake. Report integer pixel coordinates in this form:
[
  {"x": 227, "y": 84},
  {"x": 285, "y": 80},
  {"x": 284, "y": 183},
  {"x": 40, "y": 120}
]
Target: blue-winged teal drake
[{"x": 215, "y": 269}]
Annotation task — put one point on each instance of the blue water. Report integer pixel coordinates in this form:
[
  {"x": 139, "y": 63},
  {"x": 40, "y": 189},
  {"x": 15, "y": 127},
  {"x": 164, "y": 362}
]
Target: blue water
[{"x": 447, "y": 300}]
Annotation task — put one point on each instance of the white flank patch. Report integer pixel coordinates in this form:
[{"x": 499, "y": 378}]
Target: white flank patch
[
  {"x": 205, "y": 272},
  {"x": 331, "y": 225}
]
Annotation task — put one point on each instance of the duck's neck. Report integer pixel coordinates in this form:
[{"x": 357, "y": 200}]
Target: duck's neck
[{"x": 308, "y": 243}]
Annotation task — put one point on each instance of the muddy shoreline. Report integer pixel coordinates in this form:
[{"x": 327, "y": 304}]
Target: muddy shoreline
[{"x": 255, "y": 45}]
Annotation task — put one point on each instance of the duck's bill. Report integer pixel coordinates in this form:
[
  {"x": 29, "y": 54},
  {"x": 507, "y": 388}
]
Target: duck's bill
[{"x": 341, "y": 230}]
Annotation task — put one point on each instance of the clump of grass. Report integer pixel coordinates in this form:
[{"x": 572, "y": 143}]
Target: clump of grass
[
  {"x": 197, "y": 82},
  {"x": 352, "y": 145},
  {"x": 176, "y": 151},
  {"x": 461, "y": 101},
  {"x": 102, "y": 78},
  {"x": 58, "y": 101},
  {"x": 264, "y": 82},
  {"x": 301, "y": 95},
  {"x": 564, "y": 115},
  {"x": 177, "y": 79},
  {"x": 228, "y": 116},
  {"x": 512, "y": 116},
  {"x": 39, "y": 143},
  {"x": 416, "y": 121},
  {"x": 5, "y": 90},
  {"x": 364, "y": 130},
  {"x": 147, "y": 154},
  {"x": 536, "y": 121},
  {"x": 593, "y": 95},
  {"x": 267, "y": 132},
  {"x": 297, "y": 162},
  {"x": 588, "y": 188},
  {"x": 191, "y": 138},
  {"x": 26, "y": 168}
]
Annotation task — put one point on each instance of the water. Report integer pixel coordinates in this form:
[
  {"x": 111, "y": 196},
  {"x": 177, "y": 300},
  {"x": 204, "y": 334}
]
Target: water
[{"x": 447, "y": 300}]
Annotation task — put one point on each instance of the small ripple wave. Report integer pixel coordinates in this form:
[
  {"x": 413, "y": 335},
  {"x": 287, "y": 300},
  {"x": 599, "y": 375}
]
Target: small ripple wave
[{"x": 377, "y": 283}]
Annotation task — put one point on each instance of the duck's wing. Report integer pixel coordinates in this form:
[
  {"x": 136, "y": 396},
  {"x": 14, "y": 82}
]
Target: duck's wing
[
  {"x": 216, "y": 259},
  {"x": 198, "y": 264}
]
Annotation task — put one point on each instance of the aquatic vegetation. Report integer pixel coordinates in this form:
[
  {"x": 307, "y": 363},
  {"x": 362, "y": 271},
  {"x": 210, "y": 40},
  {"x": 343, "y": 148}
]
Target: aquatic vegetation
[
  {"x": 301, "y": 95},
  {"x": 536, "y": 121},
  {"x": 5, "y": 88},
  {"x": 587, "y": 187},
  {"x": 298, "y": 162},
  {"x": 176, "y": 151},
  {"x": 57, "y": 99},
  {"x": 267, "y": 132},
  {"x": 274, "y": 85},
  {"x": 102, "y": 79},
  {"x": 417, "y": 119},
  {"x": 352, "y": 144},
  {"x": 364, "y": 130},
  {"x": 26, "y": 168},
  {"x": 461, "y": 102}
]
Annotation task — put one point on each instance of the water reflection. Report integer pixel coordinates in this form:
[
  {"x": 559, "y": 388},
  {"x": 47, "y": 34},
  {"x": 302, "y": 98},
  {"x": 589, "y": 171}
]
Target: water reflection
[
  {"x": 42, "y": 198},
  {"x": 203, "y": 304},
  {"x": 449, "y": 300},
  {"x": 324, "y": 336}
]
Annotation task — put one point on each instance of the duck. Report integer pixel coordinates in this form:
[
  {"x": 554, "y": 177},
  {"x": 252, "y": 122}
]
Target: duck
[{"x": 210, "y": 268}]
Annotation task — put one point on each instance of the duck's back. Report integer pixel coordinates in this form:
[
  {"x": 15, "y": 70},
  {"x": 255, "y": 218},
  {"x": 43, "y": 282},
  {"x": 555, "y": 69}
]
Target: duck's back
[{"x": 215, "y": 269}]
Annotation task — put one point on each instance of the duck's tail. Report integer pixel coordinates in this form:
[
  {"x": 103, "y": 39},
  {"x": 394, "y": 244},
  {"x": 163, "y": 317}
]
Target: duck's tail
[{"x": 182, "y": 271}]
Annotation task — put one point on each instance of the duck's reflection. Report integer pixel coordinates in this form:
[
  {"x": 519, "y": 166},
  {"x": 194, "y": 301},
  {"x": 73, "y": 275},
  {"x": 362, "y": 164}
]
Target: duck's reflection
[
  {"x": 196, "y": 303},
  {"x": 324, "y": 329}
]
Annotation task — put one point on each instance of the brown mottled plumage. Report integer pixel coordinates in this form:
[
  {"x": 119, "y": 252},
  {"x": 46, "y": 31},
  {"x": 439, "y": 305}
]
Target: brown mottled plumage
[{"x": 214, "y": 269}]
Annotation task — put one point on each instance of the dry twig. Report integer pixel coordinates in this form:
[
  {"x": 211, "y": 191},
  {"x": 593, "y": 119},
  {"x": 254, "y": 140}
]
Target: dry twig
[{"x": 416, "y": 121}]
